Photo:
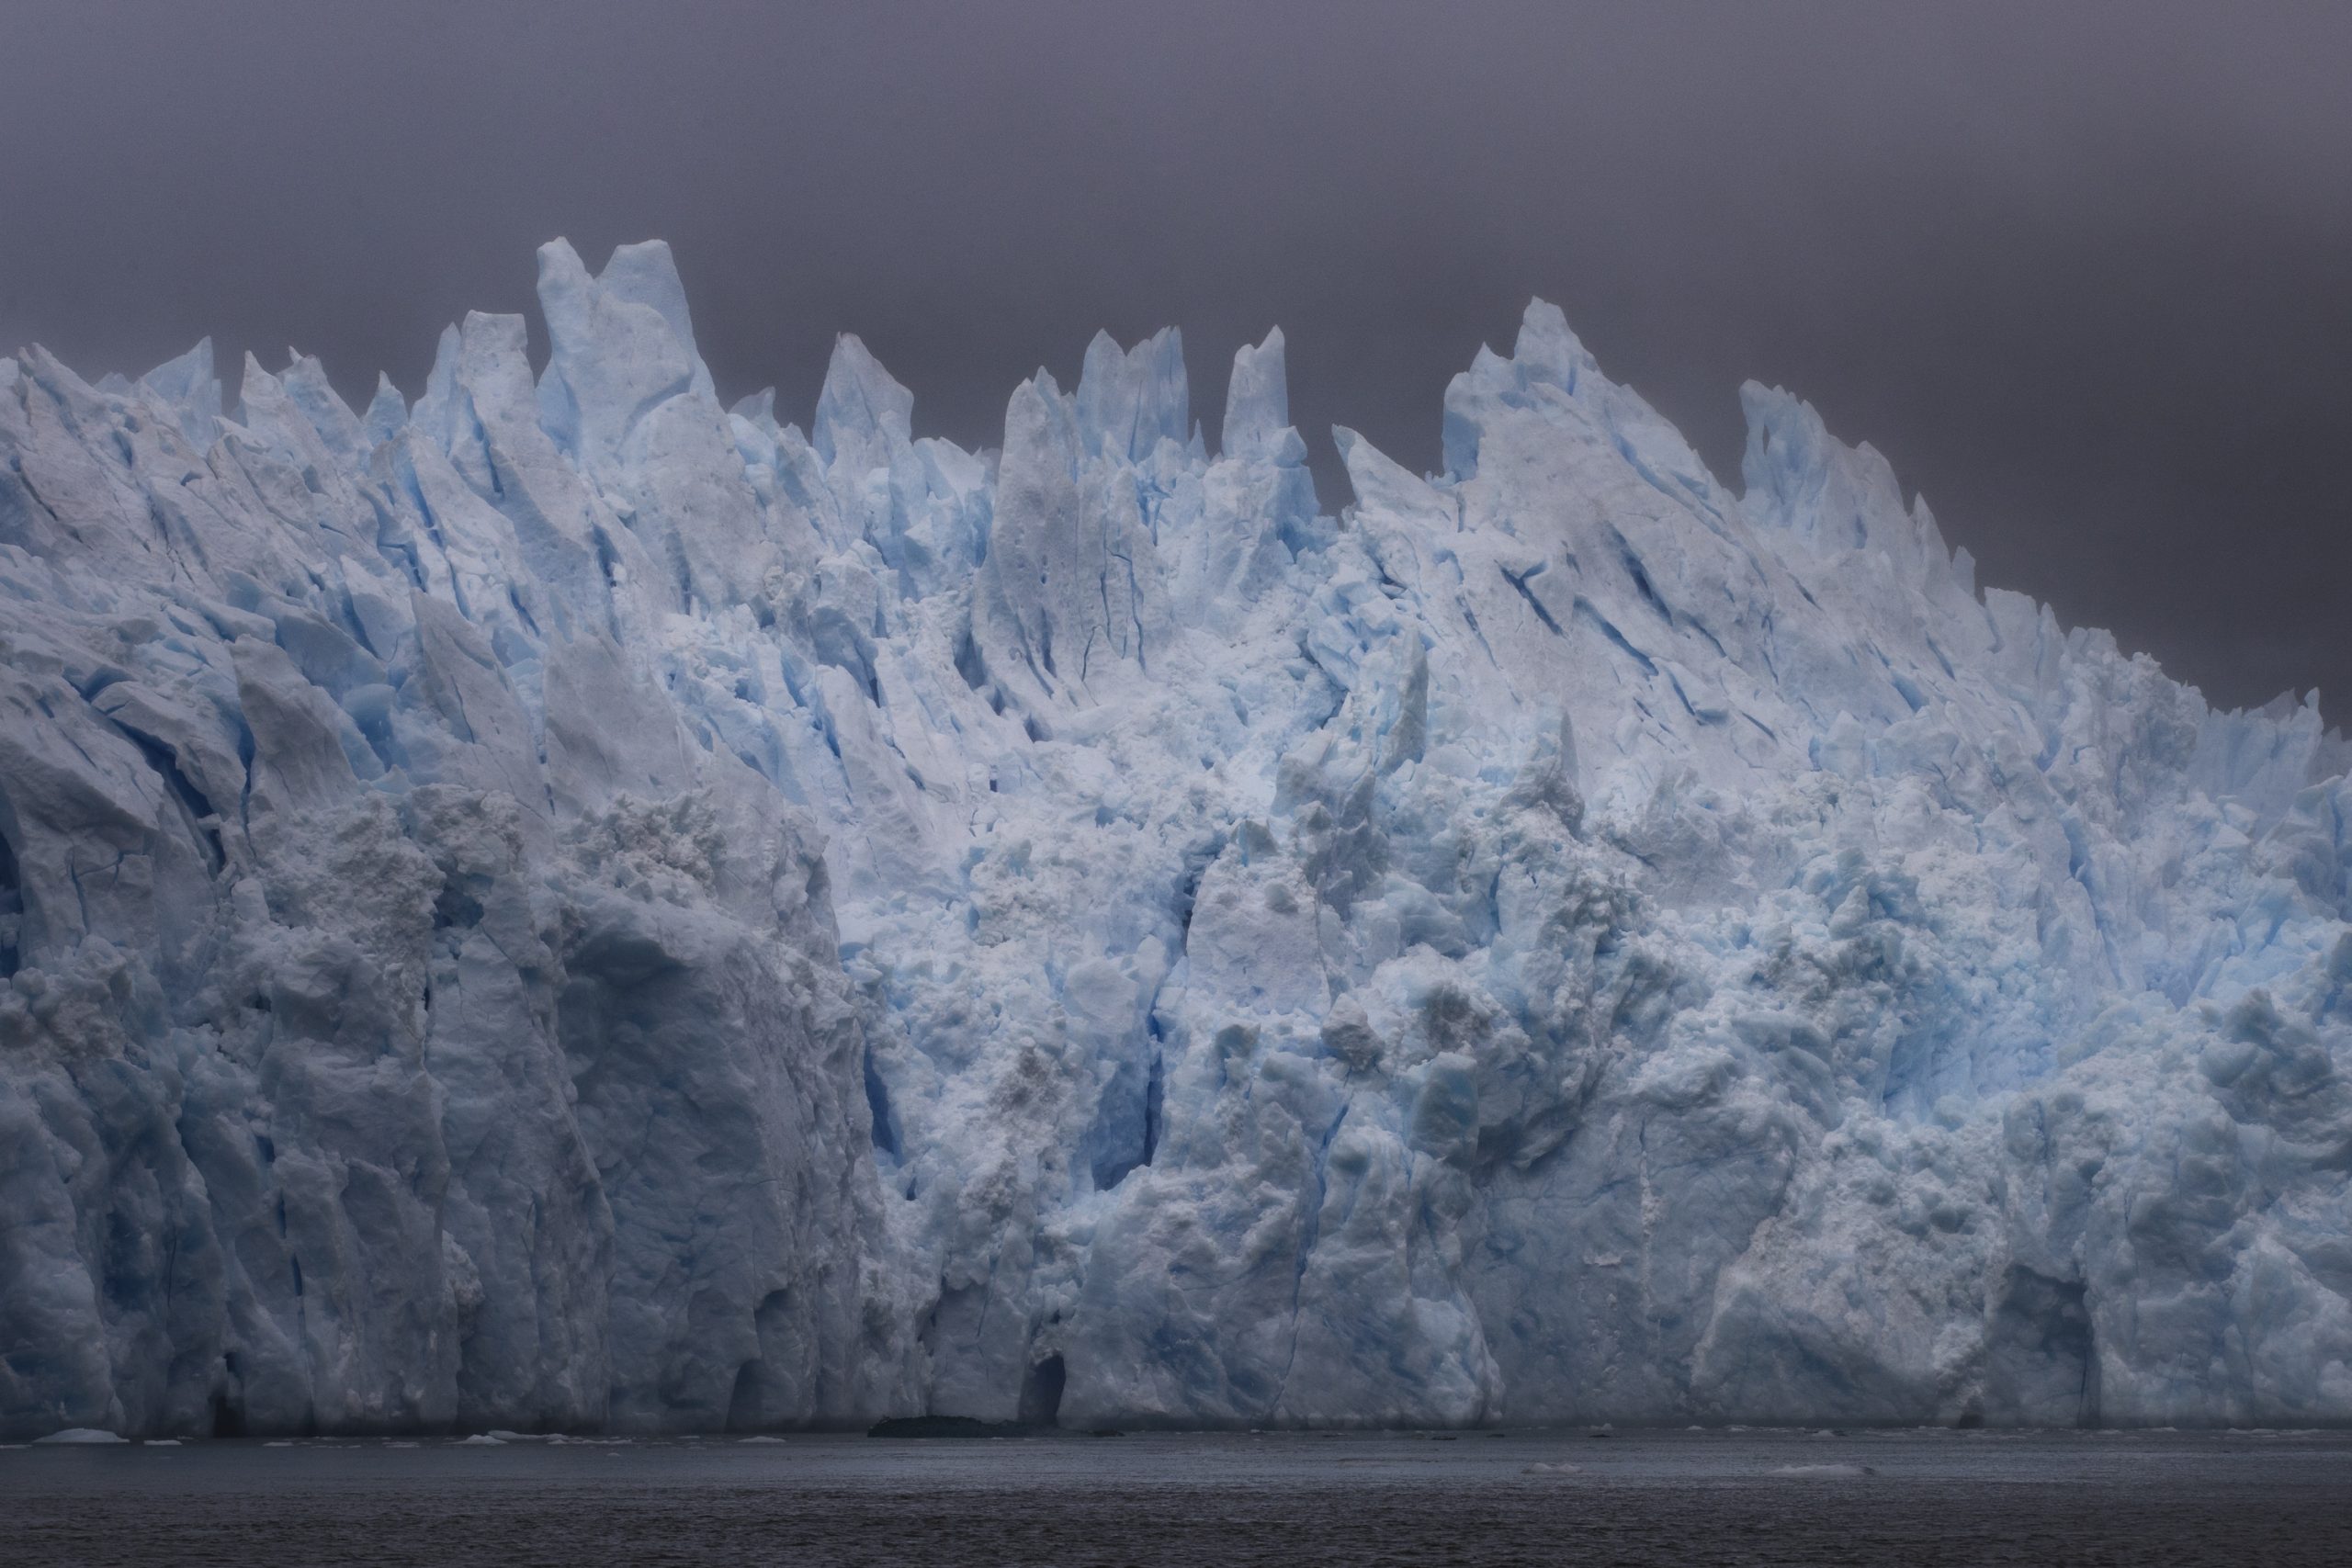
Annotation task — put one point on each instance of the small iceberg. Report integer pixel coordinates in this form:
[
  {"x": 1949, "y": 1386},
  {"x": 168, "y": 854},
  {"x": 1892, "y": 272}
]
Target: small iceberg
[{"x": 82, "y": 1436}]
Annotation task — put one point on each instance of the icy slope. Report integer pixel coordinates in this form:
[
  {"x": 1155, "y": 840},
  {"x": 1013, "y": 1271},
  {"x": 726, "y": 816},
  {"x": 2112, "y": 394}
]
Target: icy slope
[{"x": 564, "y": 905}]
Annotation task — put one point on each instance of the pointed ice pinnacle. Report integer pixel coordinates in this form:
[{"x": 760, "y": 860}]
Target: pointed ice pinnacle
[
  {"x": 861, "y": 406},
  {"x": 387, "y": 411},
  {"x": 1548, "y": 351},
  {"x": 187, "y": 386},
  {"x": 306, "y": 385},
  {"x": 1128, "y": 402},
  {"x": 619, "y": 344},
  {"x": 1257, "y": 400}
]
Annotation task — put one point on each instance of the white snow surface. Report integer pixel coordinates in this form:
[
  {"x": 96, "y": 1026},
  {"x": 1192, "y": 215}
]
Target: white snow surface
[{"x": 566, "y": 906}]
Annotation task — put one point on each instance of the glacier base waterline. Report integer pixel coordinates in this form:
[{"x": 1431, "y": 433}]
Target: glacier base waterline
[{"x": 565, "y": 907}]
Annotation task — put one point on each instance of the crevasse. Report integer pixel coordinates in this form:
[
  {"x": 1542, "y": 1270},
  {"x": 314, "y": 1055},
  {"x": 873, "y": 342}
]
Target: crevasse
[{"x": 567, "y": 907}]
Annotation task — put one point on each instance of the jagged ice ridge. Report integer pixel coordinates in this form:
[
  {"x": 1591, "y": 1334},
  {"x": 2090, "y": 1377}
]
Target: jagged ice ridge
[{"x": 565, "y": 906}]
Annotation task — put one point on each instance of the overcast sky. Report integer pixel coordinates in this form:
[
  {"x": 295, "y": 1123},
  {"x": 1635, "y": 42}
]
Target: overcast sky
[{"x": 2084, "y": 272}]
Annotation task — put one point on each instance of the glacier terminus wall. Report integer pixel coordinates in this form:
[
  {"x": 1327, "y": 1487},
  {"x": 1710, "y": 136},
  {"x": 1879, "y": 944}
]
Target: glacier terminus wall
[{"x": 565, "y": 906}]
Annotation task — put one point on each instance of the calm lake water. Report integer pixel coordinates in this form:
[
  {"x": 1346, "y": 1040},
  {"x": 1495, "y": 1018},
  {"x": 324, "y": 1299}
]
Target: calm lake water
[{"x": 1550, "y": 1497}]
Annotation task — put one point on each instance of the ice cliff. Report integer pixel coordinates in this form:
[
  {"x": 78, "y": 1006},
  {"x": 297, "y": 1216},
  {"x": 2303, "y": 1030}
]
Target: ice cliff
[{"x": 564, "y": 905}]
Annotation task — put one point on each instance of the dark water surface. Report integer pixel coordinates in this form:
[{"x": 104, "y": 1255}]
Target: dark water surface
[{"x": 1632, "y": 1497}]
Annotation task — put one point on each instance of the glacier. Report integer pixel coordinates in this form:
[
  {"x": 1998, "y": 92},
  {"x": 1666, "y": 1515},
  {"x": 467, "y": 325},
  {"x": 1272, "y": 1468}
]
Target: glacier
[{"x": 566, "y": 906}]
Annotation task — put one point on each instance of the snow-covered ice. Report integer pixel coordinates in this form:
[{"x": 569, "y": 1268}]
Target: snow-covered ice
[{"x": 568, "y": 907}]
